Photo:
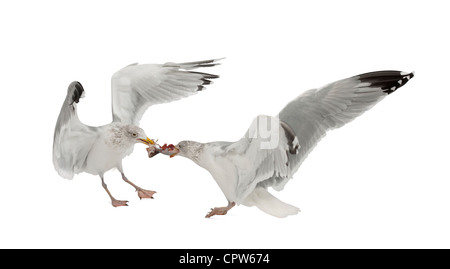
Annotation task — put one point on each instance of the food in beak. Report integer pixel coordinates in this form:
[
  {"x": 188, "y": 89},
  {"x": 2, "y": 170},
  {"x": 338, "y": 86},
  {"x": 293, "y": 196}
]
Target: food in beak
[
  {"x": 170, "y": 150},
  {"x": 153, "y": 150}
]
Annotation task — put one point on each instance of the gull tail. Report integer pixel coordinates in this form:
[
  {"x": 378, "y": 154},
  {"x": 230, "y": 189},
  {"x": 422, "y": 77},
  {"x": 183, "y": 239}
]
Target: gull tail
[{"x": 269, "y": 204}]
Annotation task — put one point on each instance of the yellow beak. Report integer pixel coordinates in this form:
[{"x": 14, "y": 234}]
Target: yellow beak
[{"x": 147, "y": 141}]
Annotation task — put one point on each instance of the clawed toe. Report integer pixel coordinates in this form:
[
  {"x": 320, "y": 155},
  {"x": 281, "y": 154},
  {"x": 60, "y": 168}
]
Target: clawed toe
[
  {"x": 117, "y": 203},
  {"x": 145, "y": 193},
  {"x": 216, "y": 211},
  {"x": 220, "y": 210},
  {"x": 210, "y": 214}
]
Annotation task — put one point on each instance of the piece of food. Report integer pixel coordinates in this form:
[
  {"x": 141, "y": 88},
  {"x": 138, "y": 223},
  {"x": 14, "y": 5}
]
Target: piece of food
[
  {"x": 170, "y": 150},
  {"x": 153, "y": 150}
]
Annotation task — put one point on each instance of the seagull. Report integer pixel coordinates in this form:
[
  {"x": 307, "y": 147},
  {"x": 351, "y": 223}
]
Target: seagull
[
  {"x": 81, "y": 148},
  {"x": 273, "y": 148}
]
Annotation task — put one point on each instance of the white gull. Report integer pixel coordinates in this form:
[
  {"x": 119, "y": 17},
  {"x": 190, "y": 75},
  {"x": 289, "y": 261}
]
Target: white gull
[
  {"x": 80, "y": 148},
  {"x": 274, "y": 147}
]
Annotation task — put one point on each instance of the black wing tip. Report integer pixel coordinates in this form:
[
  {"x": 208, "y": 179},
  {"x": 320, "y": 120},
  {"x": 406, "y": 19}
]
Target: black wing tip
[
  {"x": 196, "y": 64},
  {"x": 206, "y": 63},
  {"x": 389, "y": 80},
  {"x": 206, "y": 79},
  {"x": 77, "y": 91},
  {"x": 205, "y": 75}
]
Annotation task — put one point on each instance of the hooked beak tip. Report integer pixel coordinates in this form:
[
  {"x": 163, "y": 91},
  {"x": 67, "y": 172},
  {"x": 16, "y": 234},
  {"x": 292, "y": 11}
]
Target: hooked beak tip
[{"x": 146, "y": 141}]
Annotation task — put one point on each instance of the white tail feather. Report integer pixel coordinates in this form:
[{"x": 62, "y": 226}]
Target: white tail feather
[{"x": 269, "y": 204}]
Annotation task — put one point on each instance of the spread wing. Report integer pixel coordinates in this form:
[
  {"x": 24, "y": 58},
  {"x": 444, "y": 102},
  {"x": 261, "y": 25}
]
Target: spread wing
[
  {"x": 316, "y": 111},
  {"x": 72, "y": 139},
  {"x": 261, "y": 156},
  {"x": 139, "y": 86}
]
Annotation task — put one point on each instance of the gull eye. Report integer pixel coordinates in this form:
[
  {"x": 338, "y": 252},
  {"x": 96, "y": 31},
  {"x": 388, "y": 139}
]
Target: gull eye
[{"x": 134, "y": 134}]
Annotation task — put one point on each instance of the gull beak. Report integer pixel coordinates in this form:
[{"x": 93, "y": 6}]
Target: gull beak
[{"x": 146, "y": 141}]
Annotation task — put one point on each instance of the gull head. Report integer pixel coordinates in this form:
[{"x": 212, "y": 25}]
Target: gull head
[
  {"x": 189, "y": 149},
  {"x": 132, "y": 134}
]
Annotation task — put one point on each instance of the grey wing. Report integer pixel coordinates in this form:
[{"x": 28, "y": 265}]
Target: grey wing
[
  {"x": 316, "y": 111},
  {"x": 137, "y": 87},
  {"x": 72, "y": 140},
  {"x": 261, "y": 156}
]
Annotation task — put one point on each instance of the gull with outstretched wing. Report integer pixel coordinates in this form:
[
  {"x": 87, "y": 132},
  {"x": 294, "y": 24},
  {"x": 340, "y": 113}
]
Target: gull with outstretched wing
[
  {"x": 81, "y": 148},
  {"x": 274, "y": 147}
]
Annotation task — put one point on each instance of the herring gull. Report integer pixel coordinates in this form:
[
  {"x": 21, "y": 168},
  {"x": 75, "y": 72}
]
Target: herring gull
[
  {"x": 273, "y": 148},
  {"x": 81, "y": 148}
]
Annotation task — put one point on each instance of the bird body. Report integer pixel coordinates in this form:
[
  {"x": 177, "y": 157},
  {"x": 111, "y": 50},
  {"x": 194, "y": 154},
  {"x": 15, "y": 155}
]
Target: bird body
[
  {"x": 212, "y": 157},
  {"x": 80, "y": 148},
  {"x": 228, "y": 168},
  {"x": 243, "y": 170},
  {"x": 109, "y": 149},
  {"x": 273, "y": 148}
]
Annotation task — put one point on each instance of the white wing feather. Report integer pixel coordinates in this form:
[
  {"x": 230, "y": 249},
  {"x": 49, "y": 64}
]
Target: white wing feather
[
  {"x": 72, "y": 139},
  {"x": 136, "y": 87},
  {"x": 260, "y": 156},
  {"x": 302, "y": 123},
  {"x": 316, "y": 111}
]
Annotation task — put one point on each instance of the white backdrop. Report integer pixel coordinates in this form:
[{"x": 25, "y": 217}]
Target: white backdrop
[{"x": 380, "y": 182}]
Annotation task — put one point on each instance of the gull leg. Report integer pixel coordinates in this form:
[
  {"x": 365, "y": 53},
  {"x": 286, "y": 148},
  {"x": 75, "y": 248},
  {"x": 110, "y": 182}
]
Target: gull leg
[
  {"x": 114, "y": 201},
  {"x": 220, "y": 210},
  {"x": 141, "y": 192}
]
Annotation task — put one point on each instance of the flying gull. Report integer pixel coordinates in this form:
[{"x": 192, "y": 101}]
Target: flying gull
[
  {"x": 80, "y": 148},
  {"x": 274, "y": 147}
]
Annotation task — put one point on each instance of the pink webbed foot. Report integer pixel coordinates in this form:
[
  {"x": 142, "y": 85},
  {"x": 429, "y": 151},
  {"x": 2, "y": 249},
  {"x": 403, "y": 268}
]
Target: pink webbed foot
[
  {"x": 117, "y": 203},
  {"x": 220, "y": 210},
  {"x": 145, "y": 193}
]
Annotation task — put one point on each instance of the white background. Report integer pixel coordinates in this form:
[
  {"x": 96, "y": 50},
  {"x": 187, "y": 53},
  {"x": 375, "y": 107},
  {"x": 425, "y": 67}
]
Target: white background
[{"x": 380, "y": 182}]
